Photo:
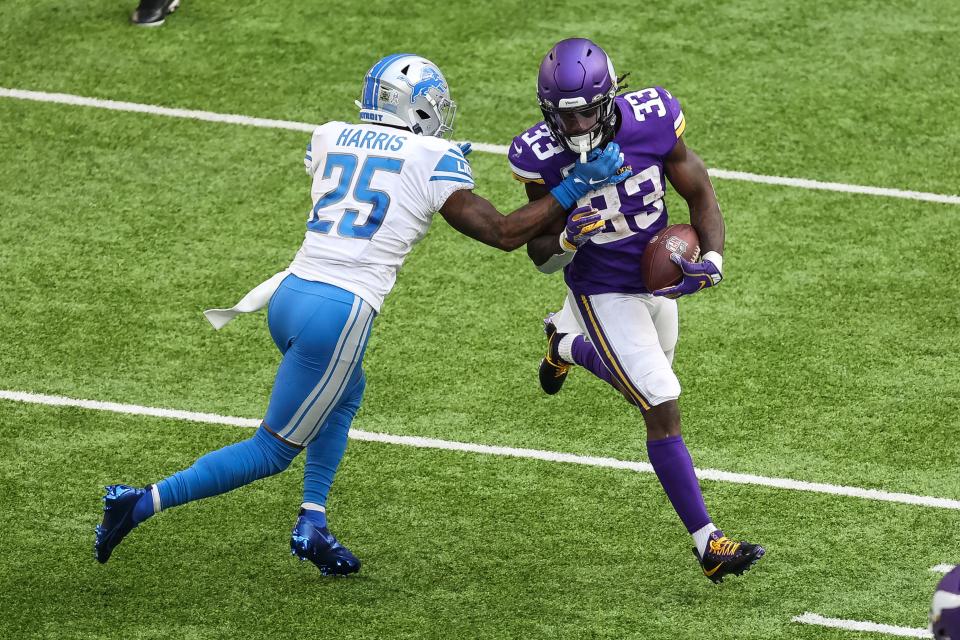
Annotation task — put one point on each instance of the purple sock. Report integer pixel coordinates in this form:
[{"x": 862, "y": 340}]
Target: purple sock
[
  {"x": 674, "y": 467},
  {"x": 587, "y": 357}
]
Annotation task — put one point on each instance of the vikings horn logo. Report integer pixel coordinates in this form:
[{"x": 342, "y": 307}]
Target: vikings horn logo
[{"x": 429, "y": 78}]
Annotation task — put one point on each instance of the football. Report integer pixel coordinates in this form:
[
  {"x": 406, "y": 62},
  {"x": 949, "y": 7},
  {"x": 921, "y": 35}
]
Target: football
[{"x": 656, "y": 268}]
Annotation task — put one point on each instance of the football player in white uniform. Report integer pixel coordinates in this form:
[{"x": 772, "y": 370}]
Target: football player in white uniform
[{"x": 376, "y": 186}]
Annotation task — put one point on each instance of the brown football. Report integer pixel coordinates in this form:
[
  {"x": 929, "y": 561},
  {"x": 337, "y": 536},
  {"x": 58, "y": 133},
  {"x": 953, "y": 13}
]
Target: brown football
[{"x": 656, "y": 268}]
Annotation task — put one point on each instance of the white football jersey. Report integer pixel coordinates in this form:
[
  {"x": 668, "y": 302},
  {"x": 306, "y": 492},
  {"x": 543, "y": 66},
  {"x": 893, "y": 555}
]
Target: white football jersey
[{"x": 375, "y": 191}]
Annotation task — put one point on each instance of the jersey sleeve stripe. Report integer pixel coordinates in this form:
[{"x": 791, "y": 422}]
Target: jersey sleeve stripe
[
  {"x": 681, "y": 127},
  {"x": 451, "y": 179},
  {"x": 453, "y": 174},
  {"x": 528, "y": 180},
  {"x": 451, "y": 164},
  {"x": 455, "y": 157},
  {"x": 529, "y": 176}
]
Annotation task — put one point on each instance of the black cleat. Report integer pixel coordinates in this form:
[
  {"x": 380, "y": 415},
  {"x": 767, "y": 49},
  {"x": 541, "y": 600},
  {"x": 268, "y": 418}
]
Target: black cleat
[
  {"x": 553, "y": 368},
  {"x": 118, "y": 504},
  {"x": 319, "y": 546},
  {"x": 152, "y": 13},
  {"x": 724, "y": 556}
]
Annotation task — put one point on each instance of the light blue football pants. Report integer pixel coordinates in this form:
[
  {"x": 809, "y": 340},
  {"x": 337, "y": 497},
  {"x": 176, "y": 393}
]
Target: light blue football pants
[{"x": 322, "y": 332}]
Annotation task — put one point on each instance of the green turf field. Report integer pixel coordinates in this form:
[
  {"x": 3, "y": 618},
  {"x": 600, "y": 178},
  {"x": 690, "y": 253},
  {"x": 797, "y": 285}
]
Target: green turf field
[{"x": 831, "y": 352}]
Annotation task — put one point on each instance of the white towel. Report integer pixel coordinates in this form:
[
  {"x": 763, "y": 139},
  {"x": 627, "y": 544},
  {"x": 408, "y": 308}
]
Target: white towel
[{"x": 255, "y": 300}]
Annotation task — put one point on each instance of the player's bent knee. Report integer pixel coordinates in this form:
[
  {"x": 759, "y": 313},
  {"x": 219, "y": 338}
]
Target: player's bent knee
[
  {"x": 278, "y": 452},
  {"x": 659, "y": 386}
]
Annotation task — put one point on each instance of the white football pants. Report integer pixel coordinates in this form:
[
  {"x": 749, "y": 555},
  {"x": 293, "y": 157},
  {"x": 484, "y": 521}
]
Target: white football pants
[{"x": 635, "y": 335}]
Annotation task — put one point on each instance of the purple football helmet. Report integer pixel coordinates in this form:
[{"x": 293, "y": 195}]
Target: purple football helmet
[
  {"x": 945, "y": 612},
  {"x": 576, "y": 89}
]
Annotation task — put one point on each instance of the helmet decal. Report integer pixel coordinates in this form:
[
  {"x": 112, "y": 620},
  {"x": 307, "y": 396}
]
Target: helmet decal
[{"x": 430, "y": 78}]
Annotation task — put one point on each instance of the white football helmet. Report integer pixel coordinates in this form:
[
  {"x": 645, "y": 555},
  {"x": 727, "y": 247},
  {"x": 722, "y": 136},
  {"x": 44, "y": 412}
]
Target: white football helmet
[{"x": 409, "y": 91}]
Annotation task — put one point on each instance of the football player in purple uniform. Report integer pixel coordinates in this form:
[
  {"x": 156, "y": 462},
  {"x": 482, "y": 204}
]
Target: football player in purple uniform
[
  {"x": 945, "y": 611},
  {"x": 610, "y": 323}
]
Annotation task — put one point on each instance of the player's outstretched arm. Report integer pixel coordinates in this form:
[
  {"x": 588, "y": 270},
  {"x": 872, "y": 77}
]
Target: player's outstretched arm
[
  {"x": 545, "y": 246},
  {"x": 477, "y": 218},
  {"x": 474, "y": 216},
  {"x": 551, "y": 251}
]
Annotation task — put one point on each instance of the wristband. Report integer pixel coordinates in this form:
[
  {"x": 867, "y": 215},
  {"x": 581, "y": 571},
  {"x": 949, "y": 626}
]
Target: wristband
[
  {"x": 565, "y": 245},
  {"x": 569, "y": 191},
  {"x": 715, "y": 258}
]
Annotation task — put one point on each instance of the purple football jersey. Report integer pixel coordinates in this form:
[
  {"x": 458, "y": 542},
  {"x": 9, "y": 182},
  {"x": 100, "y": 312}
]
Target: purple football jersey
[{"x": 651, "y": 122}]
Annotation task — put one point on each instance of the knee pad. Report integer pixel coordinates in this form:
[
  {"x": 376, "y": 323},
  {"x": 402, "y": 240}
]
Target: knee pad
[{"x": 659, "y": 386}]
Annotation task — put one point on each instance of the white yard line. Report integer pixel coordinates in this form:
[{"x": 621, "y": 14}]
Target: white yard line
[
  {"x": 190, "y": 114},
  {"x": 802, "y": 183},
  {"x": 943, "y": 568},
  {"x": 193, "y": 114},
  {"x": 859, "y": 625},
  {"x": 532, "y": 454}
]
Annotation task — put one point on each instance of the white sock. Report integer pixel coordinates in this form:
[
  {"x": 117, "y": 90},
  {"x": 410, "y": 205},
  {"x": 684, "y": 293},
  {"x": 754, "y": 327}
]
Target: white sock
[
  {"x": 702, "y": 535},
  {"x": 313, "y": 506},
  {"x": 565, "y": 347}
]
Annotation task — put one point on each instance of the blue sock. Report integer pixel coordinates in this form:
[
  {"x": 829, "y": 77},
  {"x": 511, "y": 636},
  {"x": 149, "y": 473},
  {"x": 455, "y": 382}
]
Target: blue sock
[
  {"x": 144, "y": 507},
  {"x": 228, "y": 468},
  {"x": 318, "y": 518}
]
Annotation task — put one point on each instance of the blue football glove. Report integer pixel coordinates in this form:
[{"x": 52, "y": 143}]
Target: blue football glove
[
  {"x": 600, "y": 166},
  {"x": 582, "y": 224},
  {"x": 696, "y": 276},
  {"x": 465, "y": 148},
  {"x": 600, "y": 169}
]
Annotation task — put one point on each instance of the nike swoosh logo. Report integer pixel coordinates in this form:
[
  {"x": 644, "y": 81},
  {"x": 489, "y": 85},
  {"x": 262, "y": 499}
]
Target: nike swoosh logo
[
  {"x": 712, "y": 571},
  {"x": 517, "y": 148},
  {"x": 595, "y": 182}
]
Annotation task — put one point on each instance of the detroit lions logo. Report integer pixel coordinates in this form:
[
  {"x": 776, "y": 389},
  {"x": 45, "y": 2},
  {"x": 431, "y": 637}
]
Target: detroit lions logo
[{"x": 429, "y": 78}]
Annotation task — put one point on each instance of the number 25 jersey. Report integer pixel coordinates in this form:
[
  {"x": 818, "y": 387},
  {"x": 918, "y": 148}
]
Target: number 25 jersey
[
  {"x": 650, "y": 123},
  {"x": 375, "y": 191}
]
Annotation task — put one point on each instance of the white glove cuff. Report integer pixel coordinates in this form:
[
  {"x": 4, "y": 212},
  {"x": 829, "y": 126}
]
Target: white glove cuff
[{"x": 715, "y": 258}]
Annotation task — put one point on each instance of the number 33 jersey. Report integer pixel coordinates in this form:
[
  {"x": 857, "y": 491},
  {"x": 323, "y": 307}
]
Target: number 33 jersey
[
  {"x": 650, "y": 123},
  {"x": 375, "y": 191}
]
